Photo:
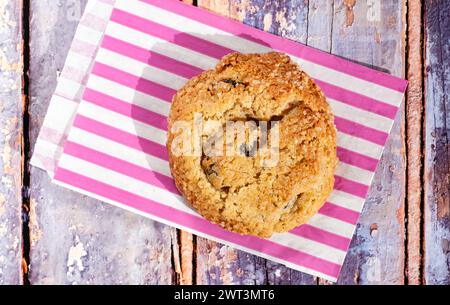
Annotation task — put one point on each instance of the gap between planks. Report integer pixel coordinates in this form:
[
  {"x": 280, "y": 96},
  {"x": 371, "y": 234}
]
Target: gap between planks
[
  {"x": 414, "y": 143},
  {"x": 25, "y": 142}
]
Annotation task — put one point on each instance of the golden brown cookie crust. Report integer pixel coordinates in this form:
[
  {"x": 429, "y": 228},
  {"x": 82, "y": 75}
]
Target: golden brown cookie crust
[{"x": 236, "y": 192}]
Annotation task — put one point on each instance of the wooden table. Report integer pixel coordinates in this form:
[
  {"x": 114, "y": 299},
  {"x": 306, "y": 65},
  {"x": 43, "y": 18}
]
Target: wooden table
[{"x": 51, "y": 235}]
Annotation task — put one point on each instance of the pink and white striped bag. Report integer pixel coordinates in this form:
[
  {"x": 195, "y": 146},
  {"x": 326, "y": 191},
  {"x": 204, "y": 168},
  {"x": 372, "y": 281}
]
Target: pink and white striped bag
[{"x": 115, "y": 150}]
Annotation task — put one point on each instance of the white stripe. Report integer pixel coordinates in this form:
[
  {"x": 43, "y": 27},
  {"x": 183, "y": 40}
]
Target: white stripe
[
  {"x": 79, "y": 61},
  {"x": 48, "y": 149},
  {"x": 160, "y": 46},
  {"x": 123, "y": 123},
  {"x": 128, "y": 95},
  {"x": 354, "y": 173},
  {"x": 100, "y": 9},
  {"x": 332, "y": 225},
  {"x": 69, "y": 89},
  {"x": 167, "y": 198},
  {"x": 89, "y": 35},
  {"x": 358, "y": 145},
  {"x": 239, "y": 44},
  {"x": 199, "y": 233},
  {"x": 140, "y": 69},
  {"x": 360, "y": 116},
  {"x": 309, "y": 246},
  {"x": 124, "y": 182},
  {"x": 60, "y": 113},
  {"x": 346, "y": 200}
]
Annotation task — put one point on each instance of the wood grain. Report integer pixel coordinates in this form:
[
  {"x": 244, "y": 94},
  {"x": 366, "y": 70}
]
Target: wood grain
[
  {"x": 11, "y": 118},
  {"x": 437, "y": 157},
  {"x": 373, "y": 33},
  {"x": 414, "y": 125},
  {"x": 75, "y": 239}
]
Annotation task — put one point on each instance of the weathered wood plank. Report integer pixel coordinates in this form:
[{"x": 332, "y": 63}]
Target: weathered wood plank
[
  {"x": 320, "y": 22},
  {"x": 11, "y": 118},
  {"x": 414, "y": 112},
  {"x": 437, "y": 156},
  {"x": 372, "y": 33},
  {"x": 75, "y": 239}
]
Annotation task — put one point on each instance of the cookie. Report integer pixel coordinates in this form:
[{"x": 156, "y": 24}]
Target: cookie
[{"x": 257, "y": 151}]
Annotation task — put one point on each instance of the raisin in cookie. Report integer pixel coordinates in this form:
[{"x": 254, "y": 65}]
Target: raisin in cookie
[{"x": 242, "y": 192}]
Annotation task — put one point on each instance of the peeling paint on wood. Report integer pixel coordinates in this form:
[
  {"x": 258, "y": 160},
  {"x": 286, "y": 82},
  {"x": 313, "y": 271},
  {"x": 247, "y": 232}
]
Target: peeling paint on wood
[
  {"x": 320, "y": 20},
  {"x": 76, "y": 239},
  {"x": 437, "y": 144},
  {"x": 11, "y": 109}
]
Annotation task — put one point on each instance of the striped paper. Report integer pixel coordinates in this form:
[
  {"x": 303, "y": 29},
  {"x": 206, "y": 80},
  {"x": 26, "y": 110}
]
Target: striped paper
[
  {"x": 70, "y": 87},
  {"x": 115, "y": 150}
]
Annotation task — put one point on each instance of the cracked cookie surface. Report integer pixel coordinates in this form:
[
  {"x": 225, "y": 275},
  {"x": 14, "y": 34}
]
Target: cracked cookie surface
[{"x": 240, "y": 192}]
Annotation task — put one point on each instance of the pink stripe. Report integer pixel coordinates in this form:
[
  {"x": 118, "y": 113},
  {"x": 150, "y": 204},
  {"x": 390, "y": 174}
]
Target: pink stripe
[
  {"x": 322, "y": 236},
  {"x": 129, "y": 80},
  {"x": 167, "y": 183},
  {"x": 151, "y": 58},
  {"x": 357, "y": 100},
  {"x": 351, "y": 187},
  {"x": 133, "y": 111},
  {"x": 356, "y": 159},
  {"x": 196, "y": 223},
  {"x": 360, "y": 131},
  {"x": 282, "y": 44},
  {"x": 122, "y": 137},
  {"x": 335, "y": 211},
  {"x": 121, "y": 166},
  {"x": 169, "y": 34}
]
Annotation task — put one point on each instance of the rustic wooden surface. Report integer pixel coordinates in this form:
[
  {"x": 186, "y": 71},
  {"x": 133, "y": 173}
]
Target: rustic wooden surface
[{"x": 404, "y": 232}]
